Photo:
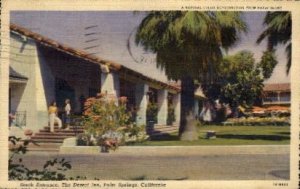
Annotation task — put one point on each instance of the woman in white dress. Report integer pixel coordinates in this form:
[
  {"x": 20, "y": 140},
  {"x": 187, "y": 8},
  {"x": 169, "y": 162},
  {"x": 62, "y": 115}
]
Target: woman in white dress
[
  {"x": 53, "y": 117},
  {"x": 67, "y": 113}
]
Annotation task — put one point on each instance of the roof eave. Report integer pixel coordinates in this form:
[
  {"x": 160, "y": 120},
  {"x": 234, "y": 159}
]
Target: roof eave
[{"x": 83, "y": 55}]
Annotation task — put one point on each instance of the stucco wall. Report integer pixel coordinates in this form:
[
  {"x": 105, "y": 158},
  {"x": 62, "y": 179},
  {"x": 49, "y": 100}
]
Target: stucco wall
[
  {"x": 42, "y": 65},
  {"x": 29, "y": 96}
]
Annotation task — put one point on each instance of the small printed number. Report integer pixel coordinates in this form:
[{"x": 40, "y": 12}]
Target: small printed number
[{"x": 280, "y": 184}]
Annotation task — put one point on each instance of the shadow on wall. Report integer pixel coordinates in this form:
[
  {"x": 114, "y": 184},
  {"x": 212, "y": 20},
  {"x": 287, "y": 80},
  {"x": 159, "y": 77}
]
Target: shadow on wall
[
  {"x": 46, "y": 76},
  {"x": 16, "y": 93}
]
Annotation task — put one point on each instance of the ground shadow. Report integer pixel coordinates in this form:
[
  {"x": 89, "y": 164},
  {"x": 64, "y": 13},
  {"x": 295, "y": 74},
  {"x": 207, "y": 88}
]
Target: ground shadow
[
  {"x": 180, "y": 178},
  {"x": 143, "y": 177},
  {"x": 164, "y": 137},
  {"x": 254, "y": 137},
  {"x": 283, "y": 174},
  {"x": 284, "y": 133}
]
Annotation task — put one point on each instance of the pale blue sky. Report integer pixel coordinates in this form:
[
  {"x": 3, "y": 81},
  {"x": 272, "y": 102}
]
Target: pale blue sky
[{"x": 112, "y": 31}]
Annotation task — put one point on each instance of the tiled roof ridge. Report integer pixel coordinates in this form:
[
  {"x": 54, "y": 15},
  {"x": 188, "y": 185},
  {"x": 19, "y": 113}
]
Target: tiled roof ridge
[
  {"x": 277, "y": 86},
  {"x": 84, "y": 55}
]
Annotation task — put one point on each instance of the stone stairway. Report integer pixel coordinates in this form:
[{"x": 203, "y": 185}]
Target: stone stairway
[{"x": 46, "y": 141}]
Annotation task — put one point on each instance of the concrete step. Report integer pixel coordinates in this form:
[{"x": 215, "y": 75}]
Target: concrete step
[
  {"x": 54, "y": 134},
  {"x": 48, "y": 140},
  {"x": 40, "y": 146},
  {"x": 45, "y": 144},
  {"x": 163, "y": 129},
  {"x": 164, "y": 125},
  {"x": 49, "y": 137},
  {"x": 71, "y": 127},
  {"x": 52, "y": 137},
  {"x": 166, "y": 129},
  {"x": 44, "y": 149},
  {"x": 61, "y": 131}
]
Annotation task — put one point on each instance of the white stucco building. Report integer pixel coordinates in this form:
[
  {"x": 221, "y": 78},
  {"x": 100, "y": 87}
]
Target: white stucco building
[{"x": 43, "y": 70}]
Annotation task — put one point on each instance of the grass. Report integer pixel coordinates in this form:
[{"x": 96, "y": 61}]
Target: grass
[{"x": 229, "y": 135}]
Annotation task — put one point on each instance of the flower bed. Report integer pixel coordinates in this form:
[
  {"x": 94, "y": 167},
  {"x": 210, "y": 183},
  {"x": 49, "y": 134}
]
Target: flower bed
[
  {"x": 108, "y": 124},
  {"x": 280, "y": 121}
]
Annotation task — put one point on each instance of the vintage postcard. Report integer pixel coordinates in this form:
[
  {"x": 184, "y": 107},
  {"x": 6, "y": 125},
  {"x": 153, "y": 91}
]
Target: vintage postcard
[{"x": 149, "y": 94}]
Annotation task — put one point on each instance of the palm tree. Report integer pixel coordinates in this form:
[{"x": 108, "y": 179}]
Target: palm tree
[
  {"x": 278, "y": 31},
  {"x": 189, "y": 45}
]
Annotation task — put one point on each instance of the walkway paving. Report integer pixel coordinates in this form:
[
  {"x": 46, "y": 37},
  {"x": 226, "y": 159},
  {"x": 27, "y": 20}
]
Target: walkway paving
[
  {"x": 203, "y": 150},
  {"x": 177, "y": 163}
]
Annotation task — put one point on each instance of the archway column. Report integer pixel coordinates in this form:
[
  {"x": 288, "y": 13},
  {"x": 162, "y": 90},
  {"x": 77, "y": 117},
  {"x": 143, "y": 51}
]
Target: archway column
[
  {"x": 177, "y": 107},
  {"x": 110, "y": 82},
  {"x": 278, "y": 96},
  {"x": 141, "y": 100},
  {"x": 162, "y": 102}
]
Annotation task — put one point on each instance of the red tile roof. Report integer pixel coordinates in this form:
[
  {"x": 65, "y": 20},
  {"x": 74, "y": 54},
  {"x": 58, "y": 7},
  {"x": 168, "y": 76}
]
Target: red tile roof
[
  {"x": 84, "y": 55},
  {"x": 277, "y": 87}
]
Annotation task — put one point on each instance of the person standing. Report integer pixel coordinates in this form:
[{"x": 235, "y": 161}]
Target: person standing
[
  {"x": 53, "y": 116},
  {"x": 67, "y": 113},
  {"x": 206, "y": 113}
]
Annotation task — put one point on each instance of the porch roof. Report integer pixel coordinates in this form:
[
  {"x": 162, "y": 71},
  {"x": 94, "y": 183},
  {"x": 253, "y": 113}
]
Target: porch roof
[{"x": 88, "y": 57}]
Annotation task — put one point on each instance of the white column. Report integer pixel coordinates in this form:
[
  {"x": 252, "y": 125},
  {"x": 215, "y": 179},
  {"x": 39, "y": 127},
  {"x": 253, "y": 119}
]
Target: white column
[
  {"x": 162, "y": 102},
  {"x": 278, "y": 96},
  {"x": 41, "y": 101},
  {"x": 110, "y": 84},
  {"x": 141, "y": 100},
  {"x": 44, "y": 90},
  {"x": 177, "y": 107}
]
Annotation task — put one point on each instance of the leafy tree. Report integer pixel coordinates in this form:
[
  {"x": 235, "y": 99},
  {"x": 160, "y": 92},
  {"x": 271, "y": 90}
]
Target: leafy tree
[
  {"x": 52, "y": 170},
  {"x": 188, "y": 46},
  {"x": 239, "y": 80},
  {"x": 278, "y": 31},
  {"x": 268, "y": 63}
]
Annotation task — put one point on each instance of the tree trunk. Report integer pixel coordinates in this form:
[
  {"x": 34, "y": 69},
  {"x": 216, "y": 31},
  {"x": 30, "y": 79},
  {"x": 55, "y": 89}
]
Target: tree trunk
[{"x": 187, "y": 129}]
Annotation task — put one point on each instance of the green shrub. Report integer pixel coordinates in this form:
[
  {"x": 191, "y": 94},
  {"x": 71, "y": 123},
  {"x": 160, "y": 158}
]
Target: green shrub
[
  {"x": 52, "y": 170},
  {"x": 171, "y": 115},
  {"x": 152, "y": 112},
  {"x": 106, "y": 118},
  {"x": 104, "y": 113}
]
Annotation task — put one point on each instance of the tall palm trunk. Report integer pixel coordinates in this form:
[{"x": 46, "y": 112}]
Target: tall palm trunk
[{"x": 187, "y": 129}]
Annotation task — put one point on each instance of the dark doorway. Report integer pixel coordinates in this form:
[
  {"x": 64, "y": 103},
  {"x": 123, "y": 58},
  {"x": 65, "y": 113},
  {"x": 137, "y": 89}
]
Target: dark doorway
[{"x": 63, "y": 91}]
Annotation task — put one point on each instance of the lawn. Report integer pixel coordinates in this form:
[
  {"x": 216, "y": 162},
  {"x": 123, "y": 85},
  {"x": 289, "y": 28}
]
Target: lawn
[{"x": 229, "y": 135}]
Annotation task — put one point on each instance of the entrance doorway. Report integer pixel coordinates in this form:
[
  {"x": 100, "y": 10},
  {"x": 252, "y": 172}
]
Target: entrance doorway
[{"x": 63, "y": 91}]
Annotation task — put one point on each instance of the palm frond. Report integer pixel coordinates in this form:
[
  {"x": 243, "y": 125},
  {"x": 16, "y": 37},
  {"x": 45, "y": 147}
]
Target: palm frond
[
  {"x": 278, "y": 31},
  {"x": 189, "y": 42}
]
